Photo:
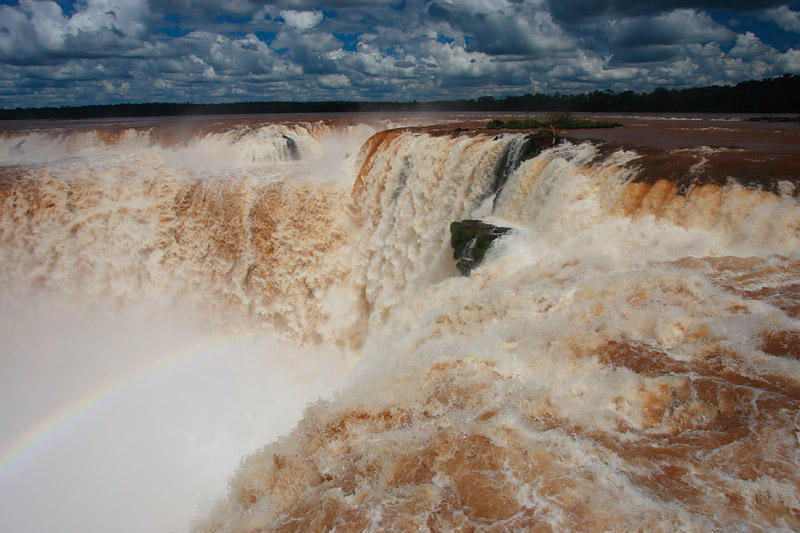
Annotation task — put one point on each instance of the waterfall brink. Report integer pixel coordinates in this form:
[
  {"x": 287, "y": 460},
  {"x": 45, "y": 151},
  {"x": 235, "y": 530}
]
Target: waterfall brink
[
  {"x": 625, "y": 357},
  {"x": 411, "y": 186},
  {"x": 239, "y": 144}
]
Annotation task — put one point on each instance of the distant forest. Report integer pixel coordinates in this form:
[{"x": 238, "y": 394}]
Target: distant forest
[{"x": 776, "y": 95}]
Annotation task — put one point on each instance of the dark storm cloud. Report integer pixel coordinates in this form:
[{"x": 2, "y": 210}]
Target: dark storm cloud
[
  {"x": 98, "y": 51},
  {"x": 512, "y": 29},
  {"x": 574, "y": 11},
  {"x": 676, "y": 27},
  {"x": 647, "y": 54}
]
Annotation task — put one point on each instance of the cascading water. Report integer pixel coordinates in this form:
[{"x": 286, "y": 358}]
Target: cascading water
[
  {"x": 625, "y": 357},
  {"x": 590, "y": 375},
  {"x": 158, "y": 222}
]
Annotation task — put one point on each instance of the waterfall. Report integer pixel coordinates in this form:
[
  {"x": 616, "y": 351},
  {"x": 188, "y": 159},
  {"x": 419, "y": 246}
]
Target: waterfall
[{"x": 624, "y": 357}]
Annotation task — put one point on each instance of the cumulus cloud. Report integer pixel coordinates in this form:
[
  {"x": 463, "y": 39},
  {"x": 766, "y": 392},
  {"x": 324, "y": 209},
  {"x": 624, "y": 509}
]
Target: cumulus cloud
[
  {"x": 748, "y": 46},
  {"x": 588, "y": 68},
  {"x": 335, "y": 81},
  {"x": 784, "y": 17},
  {"x": 301, "y": 20},
  {"x": 575, "y": 11},
  {"x": 239, "y": 57},
  {"x": 103, "y": 51},
  {"x": 39, "y": 31},
  {"x": 310, "y": 51}
]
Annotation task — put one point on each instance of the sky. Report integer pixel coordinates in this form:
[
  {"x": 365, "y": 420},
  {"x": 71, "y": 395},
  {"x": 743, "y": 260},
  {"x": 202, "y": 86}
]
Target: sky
[{"x": 67, "y": 52}]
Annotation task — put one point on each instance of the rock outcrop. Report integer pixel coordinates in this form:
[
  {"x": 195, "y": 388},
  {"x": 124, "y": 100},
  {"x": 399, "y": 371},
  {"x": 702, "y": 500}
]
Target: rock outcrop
[{"x": 470, "y": 240}]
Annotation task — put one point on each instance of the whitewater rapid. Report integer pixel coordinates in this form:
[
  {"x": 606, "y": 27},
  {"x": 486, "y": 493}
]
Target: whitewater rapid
[{"x": 625, "y": 358}]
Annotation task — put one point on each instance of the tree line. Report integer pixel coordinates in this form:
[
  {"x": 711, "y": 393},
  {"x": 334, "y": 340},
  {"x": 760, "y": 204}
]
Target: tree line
[{"x": 772, "y": 95}]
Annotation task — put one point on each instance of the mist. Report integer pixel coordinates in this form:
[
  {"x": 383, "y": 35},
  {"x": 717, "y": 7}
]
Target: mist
[{"x": 135, "y": 417}]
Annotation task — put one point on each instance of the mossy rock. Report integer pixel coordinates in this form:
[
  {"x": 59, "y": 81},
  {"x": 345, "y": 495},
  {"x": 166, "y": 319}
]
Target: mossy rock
[
  {"x": 470, "y": 240},
  {"x": 563, "y": 121}
]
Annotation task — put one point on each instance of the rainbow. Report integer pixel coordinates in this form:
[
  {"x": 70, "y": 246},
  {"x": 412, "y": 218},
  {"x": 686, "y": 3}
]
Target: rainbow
[{"x": 58, "y": 422}]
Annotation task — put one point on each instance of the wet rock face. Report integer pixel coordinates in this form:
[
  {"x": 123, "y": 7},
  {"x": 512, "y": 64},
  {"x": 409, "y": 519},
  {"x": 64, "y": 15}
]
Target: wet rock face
[
  {"x": 292, "y": 147},
  {"x": 470, "y": 239}
]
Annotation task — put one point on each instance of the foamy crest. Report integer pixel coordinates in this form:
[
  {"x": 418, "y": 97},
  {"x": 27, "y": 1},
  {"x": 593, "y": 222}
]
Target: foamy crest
[
  {"x": 194, "y": 145},
  {"x": 50, "y": 145}
]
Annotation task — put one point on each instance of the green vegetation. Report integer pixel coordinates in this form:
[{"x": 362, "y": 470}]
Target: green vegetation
[
  {"x": 496, "y": 124},
  {"x": 563, "y": 121},
  {"x": 774, "y": 119},
  {"x": 775, "y": 95}
]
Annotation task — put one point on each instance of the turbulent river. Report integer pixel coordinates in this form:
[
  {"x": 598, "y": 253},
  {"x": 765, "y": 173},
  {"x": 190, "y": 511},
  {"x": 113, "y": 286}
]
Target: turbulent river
[{"x": 257, "y": 324}]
